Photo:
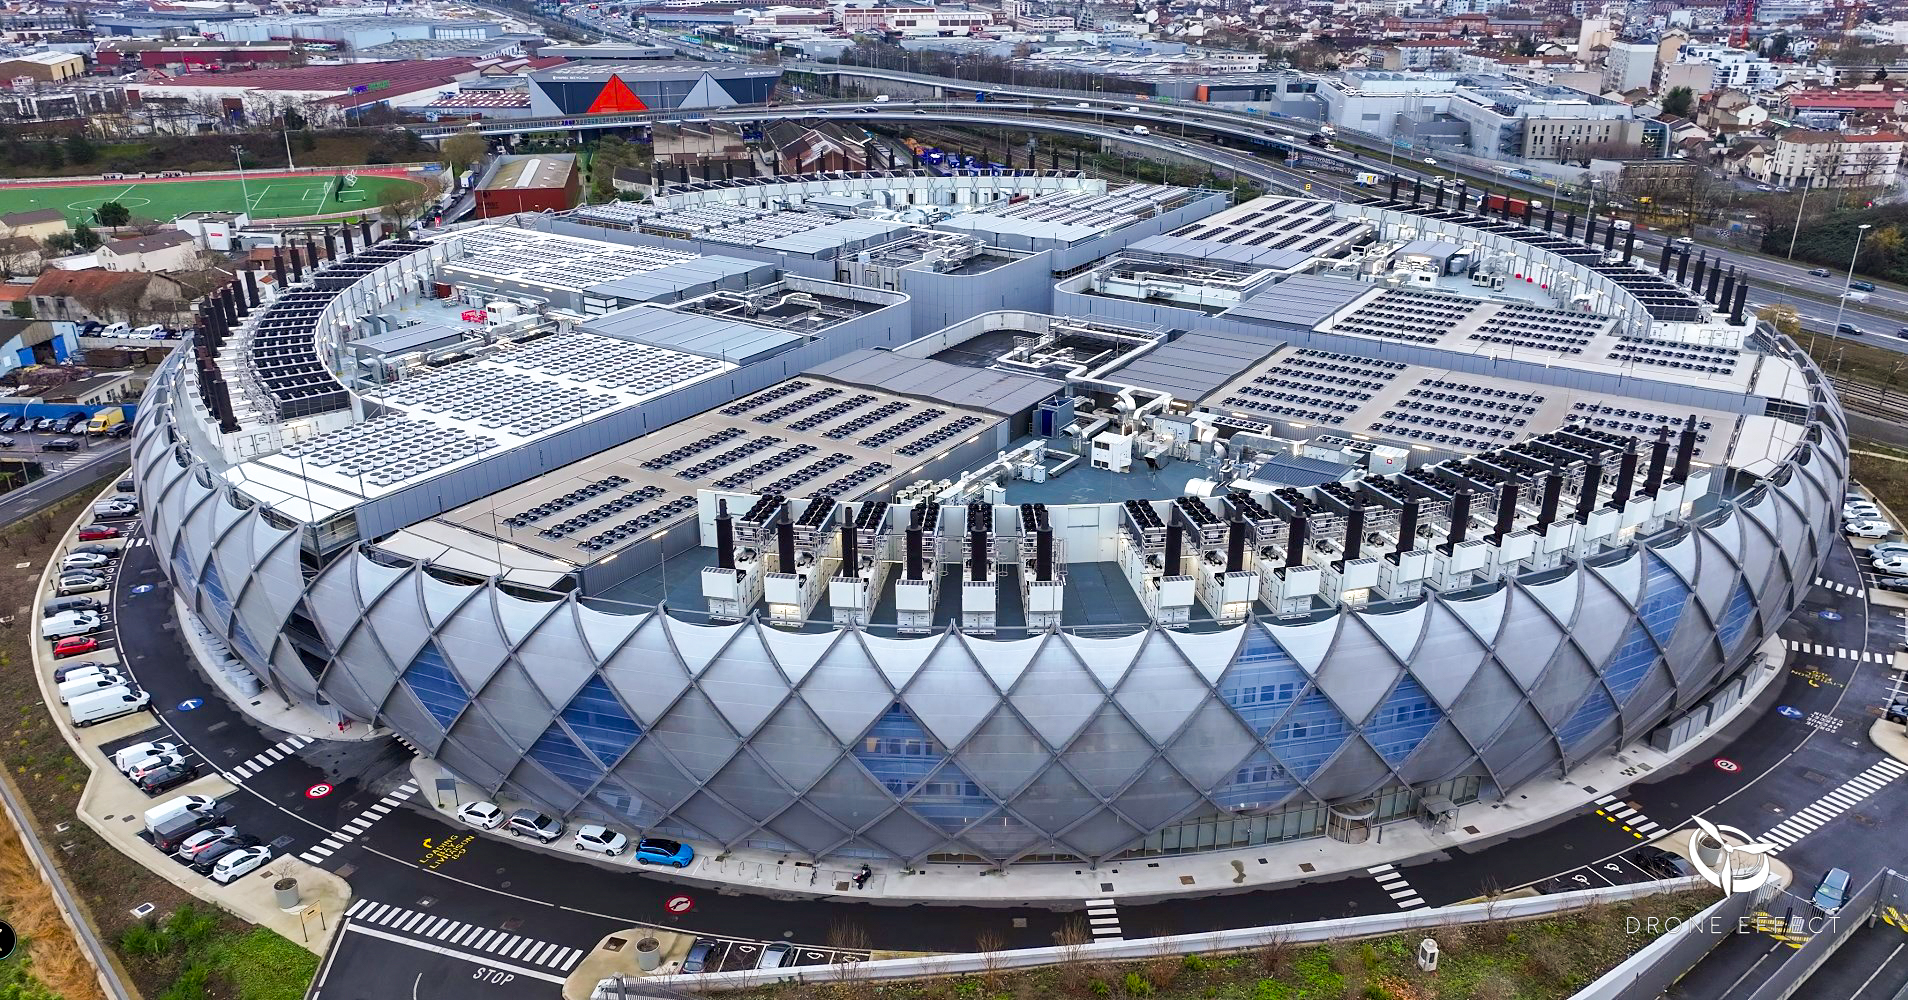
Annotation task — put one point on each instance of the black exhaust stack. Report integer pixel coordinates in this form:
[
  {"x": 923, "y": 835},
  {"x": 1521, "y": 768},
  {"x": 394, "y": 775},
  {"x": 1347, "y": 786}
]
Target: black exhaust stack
[
  {"x": 1407, "y": 529},
  {"x": 785, "y": 544},
  {"x": 725, "y": 536},
  {"x": 1173, "y": 551},
  {"x": 1506, "y": 512},
  {"x": 1043, "y": 550},
  {"x": 1587, "y": 491},
  {"x": 1354, "y": 532},
  {"x": 1626, "y": 476},
  {"x": 850, "y": 549},
  {"x": 1460, "y": 521},
  {"x": 1742, "y": 300},
  {"x": 977, "y": 554},
  {"x": 1235, "y": 544},
  {"x": 1295, "y": 538},
  {"x": 1685, "y": 451},
  {"x": 1659, "y": 456},
  {"x": 1553, "y": 495},
  {"x": 913, "y": 566}
]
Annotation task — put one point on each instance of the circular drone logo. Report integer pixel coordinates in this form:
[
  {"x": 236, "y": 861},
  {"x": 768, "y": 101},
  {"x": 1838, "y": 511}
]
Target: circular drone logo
[{"x": 1728, "y": 874}]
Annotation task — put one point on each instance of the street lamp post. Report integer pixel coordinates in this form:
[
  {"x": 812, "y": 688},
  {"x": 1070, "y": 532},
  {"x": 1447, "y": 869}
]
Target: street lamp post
[
  {"x": 238, "y": 156},
  {"x": 1842, "y": 303},
  {"x": 1798, "y": 215}
]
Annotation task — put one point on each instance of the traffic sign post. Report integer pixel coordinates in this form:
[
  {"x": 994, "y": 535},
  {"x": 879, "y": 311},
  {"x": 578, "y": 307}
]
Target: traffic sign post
[{"x": 679, "y": 904}]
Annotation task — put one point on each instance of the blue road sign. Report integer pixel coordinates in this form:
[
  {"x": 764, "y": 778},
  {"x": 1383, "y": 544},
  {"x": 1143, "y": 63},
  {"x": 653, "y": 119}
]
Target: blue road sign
[
  {"x": 1829, "y": 616},
  {"x": 1787, "y": 711},
  {"x": 142, "y": 588},
  {"x": 190, "y": 703}
]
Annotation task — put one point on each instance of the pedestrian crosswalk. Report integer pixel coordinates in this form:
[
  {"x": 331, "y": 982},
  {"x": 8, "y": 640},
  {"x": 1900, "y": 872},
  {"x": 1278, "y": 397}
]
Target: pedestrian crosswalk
[
  {"x": 1103, "y": 919},
  {"x": 1395, "y": 886},
  {"x": 1835, "y": 803},
  {"x": 450, "y": 933},
  {"x": 352, "y": 830},
  {"x": 1840, "y": 588},
  {"x": 278, "y": 751},
  {"x": 1842, "y": 652},
  {"x": 137, "y": 542},
  {"x": 1633, "y": 823}
]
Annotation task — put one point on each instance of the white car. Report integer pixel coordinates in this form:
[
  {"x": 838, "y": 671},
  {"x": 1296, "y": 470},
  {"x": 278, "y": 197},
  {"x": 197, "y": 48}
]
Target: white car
[
  {"x": 1880, "y": 549},
  {"x": 83, "y": 560},
  {"x": 601, "y": 839},
  {"x": 240, "y": 863},
  {"x": 482, "y": 815},
  {"x": 1869, "y": 529},
  {"x": 131, "y": 755},
  {"x": 1860, "y": 510},
  {"x": 142, "y": 768},
  {"x": 1892, "y": 566}
]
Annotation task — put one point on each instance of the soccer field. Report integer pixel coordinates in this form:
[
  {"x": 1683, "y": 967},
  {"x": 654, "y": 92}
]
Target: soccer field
[{"x": 263, "y": 197}]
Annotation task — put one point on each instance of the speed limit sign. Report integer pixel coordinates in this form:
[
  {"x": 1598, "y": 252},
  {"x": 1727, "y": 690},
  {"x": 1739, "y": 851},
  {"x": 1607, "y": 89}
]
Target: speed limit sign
[
  {"x": 1727, "y": 765},
  {"x": 318, "y": 791}
]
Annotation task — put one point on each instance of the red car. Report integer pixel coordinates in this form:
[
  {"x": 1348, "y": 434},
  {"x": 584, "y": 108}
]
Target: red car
[
  {"x": 74, "y": 646},
  {"x": 97, "y": 532}
]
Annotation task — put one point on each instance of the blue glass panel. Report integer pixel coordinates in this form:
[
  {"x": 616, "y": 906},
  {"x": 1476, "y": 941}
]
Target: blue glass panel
[
  {"x": 598, "y": 719},
  {"x": 430, "y": 678},
  {"x": 1663, "y": 600},
  {"x": 560, "y": 755},
  {"x": 1259, "y": 782},
  {"x": 1631, "y": 663},
  {"x": 182, "y": 569},
  {"x": 1403, "y": 721},
  {"x": 1736, "y": 617},
  {"x": 1311, "y": 734},
  {"x": 1262, "y": 682},
  {"x": 215, "y": 589},
  {"x": 898, "y": 751},
  {"x": 950, "y": 800},
  {"x": 1594, "y": 712},
  {"x": 246, "y": 647}
]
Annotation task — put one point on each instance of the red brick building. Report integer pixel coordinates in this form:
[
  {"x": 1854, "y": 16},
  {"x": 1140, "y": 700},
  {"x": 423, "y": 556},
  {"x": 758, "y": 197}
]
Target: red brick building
[{"x": 530, "y": 183}]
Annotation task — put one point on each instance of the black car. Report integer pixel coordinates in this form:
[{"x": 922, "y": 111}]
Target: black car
[
  {"x": 1898, "y": 712},
  {"x": 208, "y": 859},
  {"x": 9, "y": 424},
  {"x": 72, "y": 423},
  {"x": 96, "y": 549},
  {"x": 65, "y": 670},
  {"x": 120, "y": 430},
  {"x": 1848, "y": 330},
  {"x": 167, "y": 778},
  {"x": 61, "y": 444},
  {"x": 1895, "y": 583},
  {"x": 1661, "y": 864}
]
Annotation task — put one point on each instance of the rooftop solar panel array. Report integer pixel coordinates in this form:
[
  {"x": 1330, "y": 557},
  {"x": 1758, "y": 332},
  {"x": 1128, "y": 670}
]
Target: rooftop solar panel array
[
  {"x": 496, "y": 398},
  {"x": 1534, "y": 326},
  {"x": 1314, "y": 386},
  {"x": 1408, "y": 315},
  {"x": 1694, "y": 358},
  {"x": 606, "y": 361},
  {"x": 1630, "y": 420},
  {"x": 1459, "y": 414},
  {"x": 506, "y": 254},
  {"x": 389, "y": 450}
]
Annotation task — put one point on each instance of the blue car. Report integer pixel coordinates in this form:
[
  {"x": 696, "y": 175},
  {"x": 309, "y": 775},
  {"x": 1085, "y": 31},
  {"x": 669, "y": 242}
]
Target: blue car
[{"x": 656, "y": 851}]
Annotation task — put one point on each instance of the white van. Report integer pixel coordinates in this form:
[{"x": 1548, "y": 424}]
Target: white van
[
  {"x": 68, "y": 623},
  {"x": 115, "y": 330},
  {"x": 174, "y": 808},
  {"x": 154, "y": 332},
  {"x": 80, "y": 687},
  {"x": 108, "y": 704}
]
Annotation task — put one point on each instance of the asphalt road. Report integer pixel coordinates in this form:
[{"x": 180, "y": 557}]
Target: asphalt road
[
  {"x": 1869, "y": 966},
  {"x": 68, "y": 472}
]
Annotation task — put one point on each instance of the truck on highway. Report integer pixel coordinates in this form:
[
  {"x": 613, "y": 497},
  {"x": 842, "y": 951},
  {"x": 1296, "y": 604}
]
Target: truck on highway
[
  {"x": 1140, "y": 130},
  {"x": 1366, "y": 179}
]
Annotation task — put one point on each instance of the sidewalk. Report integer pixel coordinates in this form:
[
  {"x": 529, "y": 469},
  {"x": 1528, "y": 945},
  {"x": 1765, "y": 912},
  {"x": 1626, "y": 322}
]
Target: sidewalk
[
  {"x": 266, "y": 708},
  {"x": 114, "y": 809},
  {"x": 1247, "y": 869}
]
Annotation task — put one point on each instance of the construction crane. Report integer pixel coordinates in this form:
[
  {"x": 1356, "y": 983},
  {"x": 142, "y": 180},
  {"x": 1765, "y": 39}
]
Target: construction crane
[{"x": 1741, "y": 15}]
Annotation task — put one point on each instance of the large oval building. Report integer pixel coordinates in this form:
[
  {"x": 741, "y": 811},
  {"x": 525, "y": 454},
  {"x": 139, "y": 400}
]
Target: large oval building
[{"x": 1057, "y": 523}]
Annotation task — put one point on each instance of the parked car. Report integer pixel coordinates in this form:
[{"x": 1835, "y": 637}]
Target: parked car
[
  {"x": 600, "y": 839},
  {"x": 535, "y": 825},
  {"x": 74, "y": 646},
  {"x": 61, "y": 444},
  {"x": 98, "y": 532},
  {"x": 9, "y": 424},
  {"x": 776, "y": 955},
  {"x": 211, "y": 856},
  {"x": 1892, "y": 565},
  {"x": 657, "y": 851},
  {"x": 482, "y": 815},
  {"x": 95, "y": 549},
  {"x": 59, "y": 604},
  {"x": 1869, "y": 529},
  {"x": 83, "y": 560},
  {"x": 167, "y": 778},
  {"x": 108, "y": 508},
  {"x": 1660, "y": 863},
  {"x": 239, "y": 864},
  {"x": 1897, "y": 712},
  {"x": 85, "y": 684},
  {"x": 196, "y": 844},
  {"x": 69, "y": 623},
  {"x": 80, "y": 583},
  {"x": 1831, "y": 892},
  {"x": 73, "y": 423},
  {"x": 1880, "y": 549},
  {"x": 81, "y": 668},
  {"x": 698, "y": 958},
  {"x": 141, "y": 768},
  {"x": 127, "y": 756}
]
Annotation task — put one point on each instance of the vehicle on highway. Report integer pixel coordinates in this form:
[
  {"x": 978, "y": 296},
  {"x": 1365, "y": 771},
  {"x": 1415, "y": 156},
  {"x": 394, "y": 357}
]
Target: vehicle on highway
[
  {"x": 658, "y": 851},
  {"x": 127, "y": 756},
  {"x": 1820, "y": 272},
  {"x": 482, "y": 815},
  {"x": 1831, "y": 892},
  {"x": 881, "y": 98},
  {"x": 1683, "y": 241},
  {"x": 74, "y": 646},
  {"x": 98, "y": 532},
  {"x": 108, "y": 704},
  {"x": 83, "y": 560},
  {"x": 166, "y": 778},
  {"x": 600, "y": 839},
  {"x": 698, "y": 958},
  {"x": 1430, "y": 161},
  {"x": 1848, "y": 330},
  {"x": 1892, "y": 565},
  {"x": 61, "y": 444},
  {"x": 69, "y": 623},
  {"x": 79, "y": 583},
  {"x": 1862, "y": 286},
  {"x": 239, "y": 864},
  {"x": 775, "y": 955},
  {"x": 535, "y": 825}
]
